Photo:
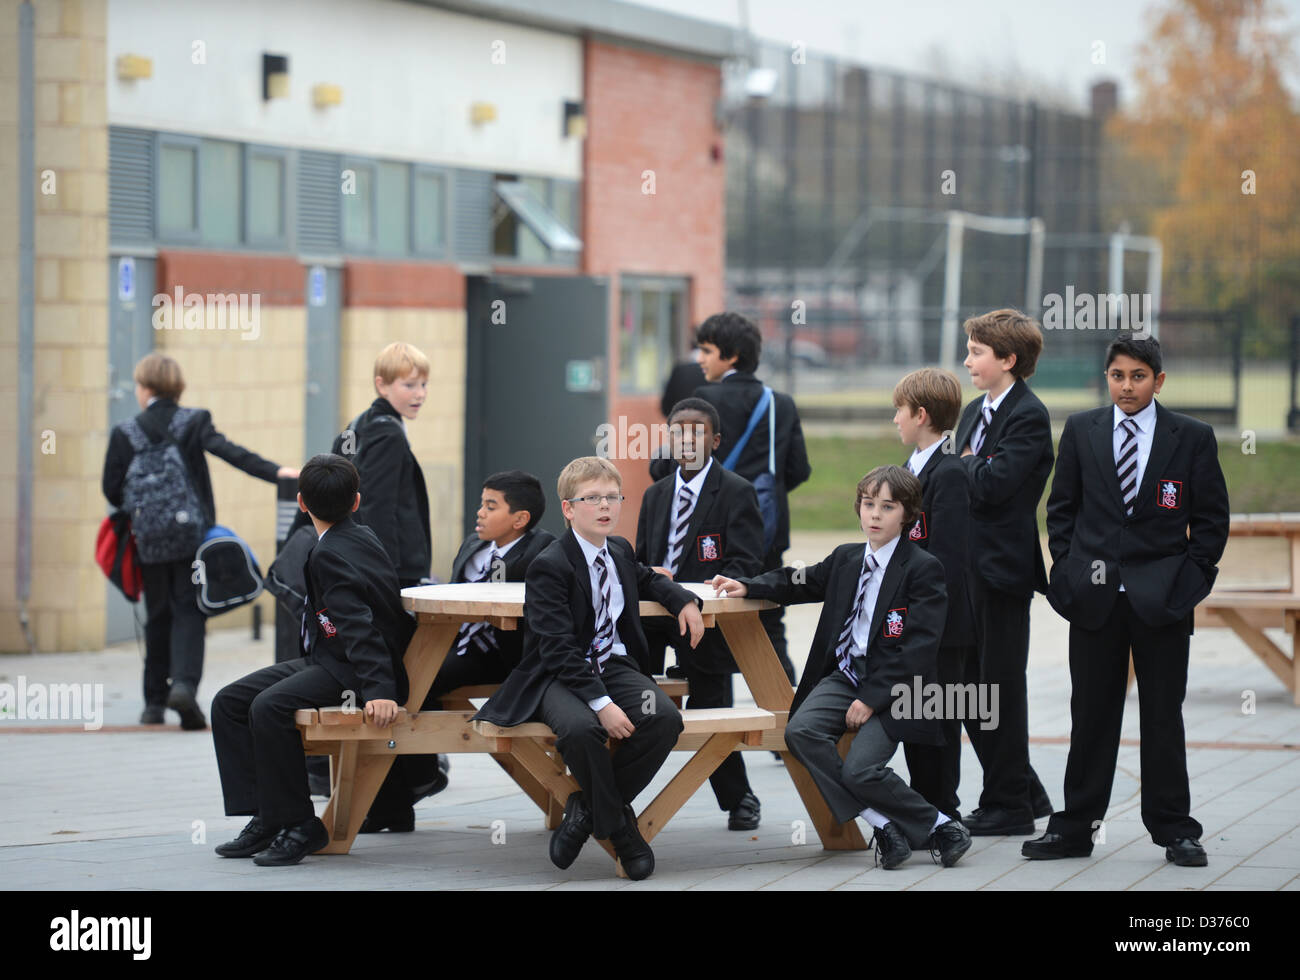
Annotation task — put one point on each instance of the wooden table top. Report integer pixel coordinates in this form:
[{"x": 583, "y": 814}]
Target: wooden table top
[
  {"x": 507, "y": 599},
  {"x": 1264, "y": 524}
]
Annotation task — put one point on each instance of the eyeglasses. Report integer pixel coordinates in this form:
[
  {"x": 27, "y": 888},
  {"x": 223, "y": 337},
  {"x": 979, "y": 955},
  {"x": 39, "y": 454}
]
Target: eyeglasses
[{"x": 594, "y": 499}]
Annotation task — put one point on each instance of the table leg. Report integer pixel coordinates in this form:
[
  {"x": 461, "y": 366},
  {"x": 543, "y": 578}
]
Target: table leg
[
  {"x": 368, "y": 775},
  {"x": 682, "y": 786}
]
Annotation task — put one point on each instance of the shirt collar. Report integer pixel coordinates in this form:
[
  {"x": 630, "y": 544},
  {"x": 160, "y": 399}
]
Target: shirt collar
[
  {"x": 994, "y": 403},
  {"x": 728, "y": 374},
  {"x": 501, "y": 552},
  {"x": 696, "y": 482},
  {"x": 153, "y": 399},
  {"x": 589, "y": 550},
  {"x": 883, "y": 555},
  {"x": 922, "y": 456},
  {"x": 1145, "y": 419}
]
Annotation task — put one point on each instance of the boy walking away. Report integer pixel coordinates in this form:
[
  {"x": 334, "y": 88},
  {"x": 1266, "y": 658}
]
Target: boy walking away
[
  {"x": 1137, "y": 521},
  {"x": 928, "y": 401},
  {"x": 583, "y": 671},
  {"x": 700, "y": 522},
  {"x": 353, "y": 642},
  {"x": 155, "y": 468},
  {"x": 1005, "y": 441},
  {"x": 882, "y": 615},
  {"x": 505, "y": 541}
]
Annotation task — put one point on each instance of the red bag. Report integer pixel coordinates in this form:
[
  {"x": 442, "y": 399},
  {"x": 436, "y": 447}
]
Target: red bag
[{"x": 116, "y": 556}]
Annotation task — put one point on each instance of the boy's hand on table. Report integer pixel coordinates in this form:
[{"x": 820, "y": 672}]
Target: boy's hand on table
[
  {"x": 381, "y": 713},
  {"x": 690, "y": 619},
  {"x": 728, "y": 588},
  {"x": 857, "y": 715},
  {"x": 615, "y": 721}
]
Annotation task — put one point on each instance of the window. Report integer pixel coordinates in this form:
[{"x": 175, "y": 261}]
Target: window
[
  {"x": 393, "y": 208},
  {"x": 652, "y": 316},
  {"x": 359, "y": 206},
  {"x": 178, "y": 181},
  {"x": 264, "y": 204},
  {"x": 220, "y": 186},
  {"x": 524, "y": 224},
  {"x": 430, "y": 212}
]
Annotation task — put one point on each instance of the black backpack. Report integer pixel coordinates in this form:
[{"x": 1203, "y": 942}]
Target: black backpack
[{"x": 158, "y": 494}]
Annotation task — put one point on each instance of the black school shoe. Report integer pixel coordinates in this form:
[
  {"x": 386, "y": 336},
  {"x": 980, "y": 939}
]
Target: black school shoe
[
  {"x": 1186, "y": 853},
  {"x": 572, "y": 833},
  {"x": 181, "y": 700},
  {"x": 633, "y": 852},
  {"x": 255, "y": 837},
  {"x": 1051, "y": 846},
  {"x": 746, "y": 814},
  {"x": 438, "y": 784},
  {"x": 397, "y": 823},
  {"x": 891, "y": 847},
  {"x": 153, "y": 714},
  {"x": 949, "y": 842},
  {"x": 995, "y": 821},
  {"x": 293, "y": 844}
]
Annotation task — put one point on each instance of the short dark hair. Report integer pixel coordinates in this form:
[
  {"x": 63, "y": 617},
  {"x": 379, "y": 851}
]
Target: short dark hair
[
  {"x": 698, "y": 405},
  {"x": 1144, "y": 349},
  {"x": 1008, "y": 332},
  {"x": 328, "y": 484},
  {"x": 734, "y": 336},
  {"x": 903, "y": 487},
  {"x": 522, "y": 491}
]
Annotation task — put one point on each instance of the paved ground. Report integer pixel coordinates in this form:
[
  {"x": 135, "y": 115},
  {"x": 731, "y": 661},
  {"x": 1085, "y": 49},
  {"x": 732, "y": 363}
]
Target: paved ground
[{"x": 130, "y": 808}]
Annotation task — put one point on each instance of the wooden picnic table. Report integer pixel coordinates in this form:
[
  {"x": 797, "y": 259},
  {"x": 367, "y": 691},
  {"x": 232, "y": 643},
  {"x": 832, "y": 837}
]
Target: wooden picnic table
[
  {"x": 361, "y": 755},
  {"x": 1249, "y": 611}
]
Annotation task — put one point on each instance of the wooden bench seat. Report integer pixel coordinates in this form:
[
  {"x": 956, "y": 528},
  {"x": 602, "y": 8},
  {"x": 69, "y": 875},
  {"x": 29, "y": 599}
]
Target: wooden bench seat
[
  {"x": 696, "y": 721},
  {"x": 1248, "y": 614}
]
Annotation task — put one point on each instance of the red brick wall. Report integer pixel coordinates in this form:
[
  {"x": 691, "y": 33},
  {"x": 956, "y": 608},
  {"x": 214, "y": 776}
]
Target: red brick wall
[{"x": 650, "y": 111}]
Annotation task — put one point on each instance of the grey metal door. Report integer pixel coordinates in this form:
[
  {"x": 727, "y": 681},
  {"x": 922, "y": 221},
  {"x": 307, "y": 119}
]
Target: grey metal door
[
  {"x": 536, "y": 379},
  {"x": 323, "y": 295},
  {"x": 130, "y": 337}
]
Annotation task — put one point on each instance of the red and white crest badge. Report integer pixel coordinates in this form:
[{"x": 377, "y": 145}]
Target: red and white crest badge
[
  {"x": 919, "y": 531},
  {"x": 1169, "y": 495},
  {"x": 326, "y": 626},
  {"x": 707, "y": 546},
  {"x": 894, "y": 622}
]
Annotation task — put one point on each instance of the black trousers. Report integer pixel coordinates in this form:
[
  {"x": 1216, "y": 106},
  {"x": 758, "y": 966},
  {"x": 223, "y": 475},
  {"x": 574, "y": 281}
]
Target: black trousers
[
  {"x": 611, "y": 780},
  {"x": 730, "y": 781},
  {"x": 773, "y": 620},
  {"x": 1099, "y": 681},
  {"x": 397, "y": 792},
  {"x": 173, "y": 631},
  {"x": 936, "y": 769},
  {"x": 259, "y": 751},
  {"x": 1002, "y": 642}
]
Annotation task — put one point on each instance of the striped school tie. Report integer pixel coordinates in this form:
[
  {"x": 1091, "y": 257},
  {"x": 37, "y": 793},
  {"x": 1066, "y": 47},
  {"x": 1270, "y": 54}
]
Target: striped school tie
[
  {"x": 1127, "y": 464},
  {"x": 677, "y": 534},
  {"x": 844, "y": 645},
  {"x": 602, "y": 644},
  {"x": 470, "y": 630},
  {"x": 986, "y": 419}
]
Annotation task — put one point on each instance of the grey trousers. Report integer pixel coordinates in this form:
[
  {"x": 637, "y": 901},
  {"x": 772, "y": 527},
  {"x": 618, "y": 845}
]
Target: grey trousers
[{"x": 863, "y": 778}]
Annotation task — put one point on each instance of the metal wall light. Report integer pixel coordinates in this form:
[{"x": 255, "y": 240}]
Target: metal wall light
[
  {"x": 575, "y": 121},
  {"x": 325, "y": 95},
  {"x": 131, "y": 67},
  {"x": 275, "y": 76}
]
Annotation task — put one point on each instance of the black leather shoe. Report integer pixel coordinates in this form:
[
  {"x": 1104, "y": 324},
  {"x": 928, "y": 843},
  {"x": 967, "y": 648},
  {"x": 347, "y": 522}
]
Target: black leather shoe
[
  {"x": 181, "y": 700},
  {"x": 633, "y": 852},
  {"x": 949, "y": 841},
  {"x": 994, "y": 821},
  {"x": 892, "y": 848},
  {"x": 745, "y": 815},
  {"x": 255, "y": 836},
  {"x": 677, "y": 672},
  {"x": 572, "y": 833},
  {"x": 398, "y": 823},
  {"x": 1186, "y": 853},
  {"x": 1051, "y": 846},
  {"x": 293, "y": 844},
  {"x": 1041, "y": 804},
  {"x": 153, "y": 714},
  {"x": 437, "y": 786}
]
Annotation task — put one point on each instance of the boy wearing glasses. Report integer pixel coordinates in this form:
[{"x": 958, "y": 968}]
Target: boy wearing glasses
[{"x": 584, "y": 669}]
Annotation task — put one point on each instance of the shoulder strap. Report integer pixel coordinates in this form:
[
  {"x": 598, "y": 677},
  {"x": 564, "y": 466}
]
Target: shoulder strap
[{"x": 730, "y": 462}]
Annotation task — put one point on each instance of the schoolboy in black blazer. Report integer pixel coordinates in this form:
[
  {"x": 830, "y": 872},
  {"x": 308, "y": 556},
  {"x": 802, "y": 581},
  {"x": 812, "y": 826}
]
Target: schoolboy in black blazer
[
  {"x": 584, "y": 669},
  {"x": 882, "y": 615},
  {"x": 927, "y": 403},
  {"x": 1137, "y": 521},
  {"x": 699, "y": 522},
  {"x": 354, "y": 633},
  {"x": 1005, "y": 443}
]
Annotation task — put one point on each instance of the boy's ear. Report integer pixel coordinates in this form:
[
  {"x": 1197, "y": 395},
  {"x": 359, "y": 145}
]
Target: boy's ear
[
  {"x": 356, "y": 503},
  {"x": 301, "y": 506},
  {"x": 717, "y": 440},
  {"x": 1160, "y": 381},
  {"x": 521, "y": 519}
]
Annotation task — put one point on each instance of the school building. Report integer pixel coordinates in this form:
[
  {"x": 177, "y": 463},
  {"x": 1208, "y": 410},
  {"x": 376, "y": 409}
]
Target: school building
[{"x": 271, "y": 192}]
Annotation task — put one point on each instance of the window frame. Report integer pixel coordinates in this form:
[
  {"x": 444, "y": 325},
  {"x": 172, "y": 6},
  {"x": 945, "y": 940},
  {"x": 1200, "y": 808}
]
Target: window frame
[
  {"x": 370, "y": 247},
  {"x": 444, "y": 174},
  {"x": 280, "y": 242},
  {"x": 170, "y": 235}
]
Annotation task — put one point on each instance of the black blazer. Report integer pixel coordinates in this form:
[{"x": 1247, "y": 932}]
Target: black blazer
[
  {"x": 1007, "y": 478},
  {"x": 199, "y": 437},
  {"x": 561, "y": 624},
  {"x": 359, "y": 631},
  {"x": 913, "y": 585},
  {"x": 686, "y": 376},
  {"x": 532, "y": 544},
  {"x": 1166, "y": 554},
  {"x": 943, "y": 529},
  {"x": 723, "y": 537},
  {"x": 394, "y": 501}
]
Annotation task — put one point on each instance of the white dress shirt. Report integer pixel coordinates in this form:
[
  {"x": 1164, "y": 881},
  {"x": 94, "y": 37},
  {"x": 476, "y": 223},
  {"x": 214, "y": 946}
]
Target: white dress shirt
[
  {"x": 916, "y": 463},
  {"x": 1145, "y": 421},
  {"x": 862, "y": 625},
  {"x": 478, "y": 562},
  {"x": 992, "y": 405},
  {"x": 695, "y": 485},
  {"x": 589, "y": 552}
]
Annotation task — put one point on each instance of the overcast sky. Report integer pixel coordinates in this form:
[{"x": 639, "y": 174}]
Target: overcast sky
[{"x": 1050, "y": 41}]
